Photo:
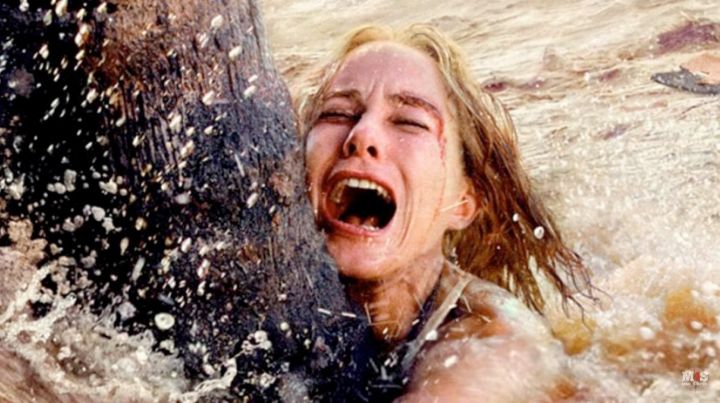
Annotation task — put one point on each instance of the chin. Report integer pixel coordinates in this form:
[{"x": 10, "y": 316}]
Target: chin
[{"x": 360, "y": 263}]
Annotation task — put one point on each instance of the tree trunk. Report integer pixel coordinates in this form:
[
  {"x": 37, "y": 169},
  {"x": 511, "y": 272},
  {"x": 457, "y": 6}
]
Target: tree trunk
[{"x": 153, "y": 142}]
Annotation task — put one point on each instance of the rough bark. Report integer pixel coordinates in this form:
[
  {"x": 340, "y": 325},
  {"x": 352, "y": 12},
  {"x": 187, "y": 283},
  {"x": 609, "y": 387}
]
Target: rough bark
[{"x": 152, "y": 142}]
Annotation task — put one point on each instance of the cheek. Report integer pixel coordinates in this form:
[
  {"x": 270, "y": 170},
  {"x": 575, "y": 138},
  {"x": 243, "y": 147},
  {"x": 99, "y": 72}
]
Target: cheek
[
  {"x": 316, "y": 152},
  {"x": 428, "y": 167}
]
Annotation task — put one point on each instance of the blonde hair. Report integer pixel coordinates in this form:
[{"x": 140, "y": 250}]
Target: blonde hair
[{"x": 499, "y": 244}]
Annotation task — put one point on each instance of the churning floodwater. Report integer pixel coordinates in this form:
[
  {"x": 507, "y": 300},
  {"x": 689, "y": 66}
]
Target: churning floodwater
[{"x": 630, "y": 168}]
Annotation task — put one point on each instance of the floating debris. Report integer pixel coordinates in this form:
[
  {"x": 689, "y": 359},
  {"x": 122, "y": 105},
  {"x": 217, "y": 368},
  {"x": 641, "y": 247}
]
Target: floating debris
[{"x": 686, "y": 81}]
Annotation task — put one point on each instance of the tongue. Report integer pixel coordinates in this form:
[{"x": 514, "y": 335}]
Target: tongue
[{"x": 371, "y": 221}]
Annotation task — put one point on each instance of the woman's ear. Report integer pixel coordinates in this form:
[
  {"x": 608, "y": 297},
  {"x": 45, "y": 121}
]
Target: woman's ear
[{"x": 466, "y": 209}]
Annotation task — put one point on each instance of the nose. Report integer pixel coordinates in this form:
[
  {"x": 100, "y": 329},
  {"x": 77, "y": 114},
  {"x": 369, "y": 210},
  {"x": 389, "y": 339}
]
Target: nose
[{"x": 363, "y": 140}]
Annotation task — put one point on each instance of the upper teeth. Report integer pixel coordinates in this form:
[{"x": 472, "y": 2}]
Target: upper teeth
[{"x": 359, "y": 184}]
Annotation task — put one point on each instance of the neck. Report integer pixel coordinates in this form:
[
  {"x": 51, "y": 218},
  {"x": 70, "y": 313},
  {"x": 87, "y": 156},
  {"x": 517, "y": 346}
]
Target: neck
[{"x": 393, "y": 303}]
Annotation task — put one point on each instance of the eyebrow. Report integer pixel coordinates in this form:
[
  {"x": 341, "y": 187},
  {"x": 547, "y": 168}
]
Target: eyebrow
[
  {"x": 411, "y": 99},
  {"x": 353, "y": 95}
]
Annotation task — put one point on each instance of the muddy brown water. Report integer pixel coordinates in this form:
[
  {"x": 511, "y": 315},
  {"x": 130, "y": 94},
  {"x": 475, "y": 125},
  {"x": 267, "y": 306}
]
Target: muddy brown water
[{"x": 630, "y": 168}]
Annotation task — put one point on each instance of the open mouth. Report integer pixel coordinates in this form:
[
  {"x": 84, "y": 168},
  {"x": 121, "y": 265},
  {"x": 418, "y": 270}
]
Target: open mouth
[{"x": 362, "y": 203}]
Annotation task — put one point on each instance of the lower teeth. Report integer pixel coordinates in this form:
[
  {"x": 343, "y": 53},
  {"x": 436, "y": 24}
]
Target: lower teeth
[{"x": 369, "y": 223}]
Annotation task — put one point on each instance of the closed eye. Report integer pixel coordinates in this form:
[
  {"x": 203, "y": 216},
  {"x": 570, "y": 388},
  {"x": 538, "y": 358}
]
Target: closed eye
[
  {"x": 337, "y": 117},
  {"x": 410, "y": 122}
]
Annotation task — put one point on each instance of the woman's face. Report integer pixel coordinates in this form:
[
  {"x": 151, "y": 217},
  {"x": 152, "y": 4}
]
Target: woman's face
[{"x": 384, "y": 162}]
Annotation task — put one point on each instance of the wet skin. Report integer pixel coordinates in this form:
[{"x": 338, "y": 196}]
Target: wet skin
[{"x": 385, "y": 117}]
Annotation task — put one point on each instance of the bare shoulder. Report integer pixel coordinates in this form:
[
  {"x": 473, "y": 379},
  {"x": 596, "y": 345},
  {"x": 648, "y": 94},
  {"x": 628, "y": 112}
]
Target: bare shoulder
[{"x": 487, "y": 353}]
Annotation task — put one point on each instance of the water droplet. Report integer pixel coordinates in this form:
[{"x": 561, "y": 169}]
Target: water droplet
[
  {"x": 91, "y": 95},
  {"x": 450, "y": 361},
  {"x": 208, "y": 98},
  {"x": 61, "y": 8},
  {"x": 175, "y": 122},
  {"x": 539, "y": 232},
  {"x": 140, "y": 224},
  {"x": 124, "y": 243},
  {"x": 252, "y": 200},
  {"x": 82, "y": 35},
  {"x": 164, "y": 321},
  {"x": 44, "y": 51},
  {"x": 646, "y": 333},
  {"x": 98, "y": 213},
  {"x": 235, "y": 52},
  {"x": 217, "y": 21},
  {"x": 185, "y": 246},
  {"x": 183, "y": 198},
  {"x": 137, "y": 269},
  {"x": 202, "y": 270},
  {"x": 249, "y": 91}
]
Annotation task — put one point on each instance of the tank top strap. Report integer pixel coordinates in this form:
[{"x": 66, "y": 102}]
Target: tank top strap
[{"x": 436, "y": 319}]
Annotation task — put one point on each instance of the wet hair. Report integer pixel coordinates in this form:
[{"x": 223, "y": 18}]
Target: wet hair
[{"x": 513, "y": 228}]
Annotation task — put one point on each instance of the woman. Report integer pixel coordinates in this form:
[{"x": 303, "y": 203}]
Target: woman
[{"x": 415, "y": 179}]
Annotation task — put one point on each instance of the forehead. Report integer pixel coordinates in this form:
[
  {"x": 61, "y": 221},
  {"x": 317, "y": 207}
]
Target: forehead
[{"x": 392, "y": 67}]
